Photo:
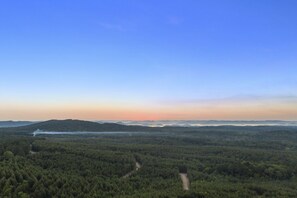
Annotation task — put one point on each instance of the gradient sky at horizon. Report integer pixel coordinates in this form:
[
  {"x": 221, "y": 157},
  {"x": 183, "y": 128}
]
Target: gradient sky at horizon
[{"x": 141, "y": 59}]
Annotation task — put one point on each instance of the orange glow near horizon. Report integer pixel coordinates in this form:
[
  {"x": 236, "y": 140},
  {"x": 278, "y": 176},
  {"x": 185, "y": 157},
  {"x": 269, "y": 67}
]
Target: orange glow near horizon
[{"x": 226, "y": 110}]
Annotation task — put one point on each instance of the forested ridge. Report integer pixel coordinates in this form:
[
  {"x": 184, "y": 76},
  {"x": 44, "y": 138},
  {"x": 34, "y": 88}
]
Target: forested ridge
[
  {"x": 241, "y": 162},
  {"x": 75, "y": 125},
  {"x": 88, "y": 126}
]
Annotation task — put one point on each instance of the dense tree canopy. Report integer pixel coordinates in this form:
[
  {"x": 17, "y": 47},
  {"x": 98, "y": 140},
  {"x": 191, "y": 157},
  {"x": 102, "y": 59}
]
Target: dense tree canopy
[{"x": 219, "y": 163}]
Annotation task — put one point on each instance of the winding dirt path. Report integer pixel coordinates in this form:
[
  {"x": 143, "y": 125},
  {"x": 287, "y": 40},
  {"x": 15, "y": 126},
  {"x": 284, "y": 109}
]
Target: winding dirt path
[
  {"x": 137, "y": 167},
  {"x": 31, "y": 151},
  {"x": 185, "y": 180}
]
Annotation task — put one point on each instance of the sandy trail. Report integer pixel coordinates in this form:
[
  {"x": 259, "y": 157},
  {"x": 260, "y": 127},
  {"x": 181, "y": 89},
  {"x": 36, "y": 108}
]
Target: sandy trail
[
  {"x": 185, "y": 180},
  {"x": 137, "y": 167},
  {"x": 31, "y": 152}
]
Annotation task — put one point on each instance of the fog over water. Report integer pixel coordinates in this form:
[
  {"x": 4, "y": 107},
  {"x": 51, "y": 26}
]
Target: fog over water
[
  {"x": 197, "y": 123},
  {"x": 40, "y": 132}
]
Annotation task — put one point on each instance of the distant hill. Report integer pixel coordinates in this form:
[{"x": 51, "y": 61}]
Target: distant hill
[
  {"x": 14, "y": 123},
  {"x": 87, "y": 126},
  {"x": 201, "y": 123},
  {"x": 77, "y": 125}
]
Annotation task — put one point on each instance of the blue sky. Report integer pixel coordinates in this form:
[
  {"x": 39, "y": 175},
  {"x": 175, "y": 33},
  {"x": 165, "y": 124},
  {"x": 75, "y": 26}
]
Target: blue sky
[{"x": 145, "y": 56}]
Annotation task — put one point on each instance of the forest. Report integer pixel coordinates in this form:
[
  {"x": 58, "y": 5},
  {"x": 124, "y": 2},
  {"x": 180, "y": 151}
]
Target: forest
[{"x": 218, "y": 162}]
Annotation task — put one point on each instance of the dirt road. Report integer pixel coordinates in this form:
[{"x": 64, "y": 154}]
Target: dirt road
[
  {"x": 31, "y": 151},
  {"x": 185, "y": 180},
  {"x": 137, "y": 167}
]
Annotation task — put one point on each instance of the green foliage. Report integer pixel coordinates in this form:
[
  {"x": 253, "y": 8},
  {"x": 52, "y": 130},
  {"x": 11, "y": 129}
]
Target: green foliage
[
  {"x": 8, "y": 155},
  {"x": 224, "y": 162}
]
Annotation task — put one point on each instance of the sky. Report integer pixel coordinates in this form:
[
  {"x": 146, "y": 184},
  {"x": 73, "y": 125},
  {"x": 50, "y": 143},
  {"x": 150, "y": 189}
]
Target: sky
[{"x": 148, "y": 59}]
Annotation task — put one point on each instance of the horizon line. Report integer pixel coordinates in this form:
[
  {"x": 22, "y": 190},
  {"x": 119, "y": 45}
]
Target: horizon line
[{"x": 223, "y": 120}]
